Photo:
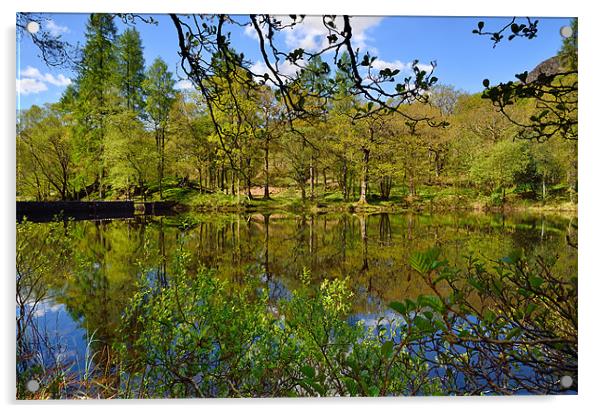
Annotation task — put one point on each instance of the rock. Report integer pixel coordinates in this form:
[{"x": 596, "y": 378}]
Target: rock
[{"x": 549, "y": 67}]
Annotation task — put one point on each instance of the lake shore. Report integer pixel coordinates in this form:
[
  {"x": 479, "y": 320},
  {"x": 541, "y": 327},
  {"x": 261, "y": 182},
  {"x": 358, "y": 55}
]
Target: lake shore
[
  {"x": 228, "y": 204},
  {"x": 219, "y": 204}
]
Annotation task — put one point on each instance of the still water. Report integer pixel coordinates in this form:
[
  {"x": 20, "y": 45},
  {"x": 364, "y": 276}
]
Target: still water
[{"x": 87, "y": 293}]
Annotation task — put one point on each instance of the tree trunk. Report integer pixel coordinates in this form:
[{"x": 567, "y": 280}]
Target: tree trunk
[
  {"x": 248, "y": 178},
  {"x": 161, "y": 160},
  {"x": 345, "y": 183},
  {"x": 248, "y": 187},
  {"x": 412, "y": 186},
  {"x": 200, "y": 180},
  {"x": 312, "y": 176},
  {"x": 266, "y": 163},
  {"x": 364, "y": 177},
  {"x": 222, "y": 181},
  {"x": 385, "y": 187}
]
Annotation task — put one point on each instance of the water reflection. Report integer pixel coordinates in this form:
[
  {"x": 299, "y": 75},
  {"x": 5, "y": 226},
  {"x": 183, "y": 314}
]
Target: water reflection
[{"x": 99, "y": 275}]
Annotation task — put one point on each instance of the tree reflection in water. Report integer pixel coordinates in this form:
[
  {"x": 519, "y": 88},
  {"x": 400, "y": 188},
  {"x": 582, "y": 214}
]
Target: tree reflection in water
[{"x": 95, "y": 269}]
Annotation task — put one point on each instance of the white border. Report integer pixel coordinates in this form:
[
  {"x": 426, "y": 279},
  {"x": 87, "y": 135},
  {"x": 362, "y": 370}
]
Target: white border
[{"x": 590, "y": 189}]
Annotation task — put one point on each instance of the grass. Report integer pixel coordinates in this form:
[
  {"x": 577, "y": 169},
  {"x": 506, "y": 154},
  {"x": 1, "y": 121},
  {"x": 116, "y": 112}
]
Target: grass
[{"x": 428, "y": 197}]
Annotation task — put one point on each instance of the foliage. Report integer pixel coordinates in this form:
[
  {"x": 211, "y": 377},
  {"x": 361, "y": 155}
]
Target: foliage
[
  {"x": 502, "y": 165},
  {"x": 45, "y": 151},
  {"x": 316, "y": 138},
  {"x": 130, "y": 155},
  {"x": 131, "y": 69},
  {"x": 507, "y": 327},
  {"x": 199, "y": 337},
  {"x": 96, "y": 96},
  {"x": 159, "y": 90}
]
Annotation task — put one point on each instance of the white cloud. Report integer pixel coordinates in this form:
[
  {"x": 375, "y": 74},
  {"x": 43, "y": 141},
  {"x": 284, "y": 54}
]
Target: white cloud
[
  {"x": 380, "y": 64},
  {"x": 259, "y": 68},
  {"x": 55, "y": 29},
  {"x": 285, "y": 68},
  {"x": 250, "y": 31},
  {"x": 33, "y": 73},
  {"x": 184, "y": 84},
  {"x": 426, "y": 67},
  {"x": 33, "y": 81},
  {"x": 311, "y": 33},
  {"x": 311, "y": 36},
  {"x": 30, "y": 86}
]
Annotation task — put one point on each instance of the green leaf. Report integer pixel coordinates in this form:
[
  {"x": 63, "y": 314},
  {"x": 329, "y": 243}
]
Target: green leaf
[
  {"x": 387, "y": 349},
  {"x": 424, "y": 262},
  {"x": 439, "y": 325},
  {"x": 423, "y": 324},
  {"x": 535, "y": 281},
  {"x": 475, "y": 283},
  {"x": 351, "y": 385},
  {"x": 317, "y": 387},
  {"x": 399, "y": 307},
  {"x": 430, "y": 301},
  {"x": 530, "y": 308},
  {"x": 489, "y": 316},
  {"x": 513, "y": 333},
  {"x": 308, "y": 371}
]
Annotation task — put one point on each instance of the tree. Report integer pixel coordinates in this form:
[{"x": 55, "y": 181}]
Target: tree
[
  {"x": 207, "y": 39},
  {"x": 445, "y": 99},
  {"x": 45, "y": 153},
  {"x": 552, "y": 89},
  {"x": 569, "y": 50},
  {"x": 192, "y": 142},
  {"x": 411, "y": 151},
  {"x": 551, "y": 163},
  {"x": 498, "y": 168},
  {"x": 97, "y": 95},
  {"x": 268, "y": 130},
  {"x": 371, "y": 130},
  {"x": 342, "y": 136},
  {"x": 130, "y": 155},
  {"x": 159, "y": 89},
  {"x": 131, "y": 69},
  {"x": 298, "y": 154}
]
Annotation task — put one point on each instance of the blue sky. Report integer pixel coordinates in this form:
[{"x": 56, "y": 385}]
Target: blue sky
[{"x": 463, "y": 59}]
